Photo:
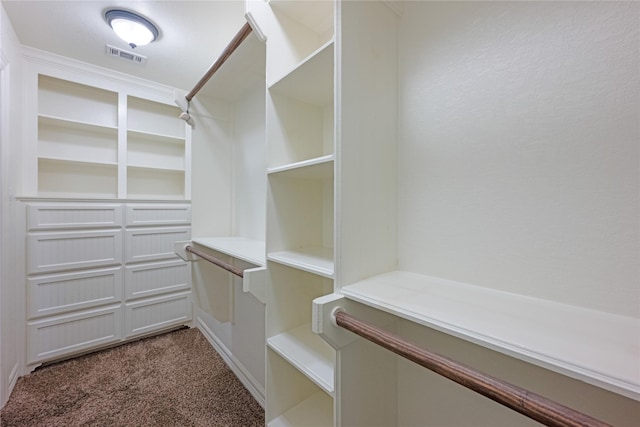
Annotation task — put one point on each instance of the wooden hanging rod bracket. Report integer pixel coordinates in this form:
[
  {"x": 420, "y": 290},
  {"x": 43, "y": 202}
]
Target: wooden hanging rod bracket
[
  {"x": 226, "y": 53},
  {"x": 534, "y": 406},
  {"x": 224, "y": 265}
]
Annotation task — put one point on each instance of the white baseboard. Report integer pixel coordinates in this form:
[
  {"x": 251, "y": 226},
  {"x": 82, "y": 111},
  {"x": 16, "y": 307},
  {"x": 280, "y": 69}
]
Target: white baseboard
[{"x": 256, "y": 390}]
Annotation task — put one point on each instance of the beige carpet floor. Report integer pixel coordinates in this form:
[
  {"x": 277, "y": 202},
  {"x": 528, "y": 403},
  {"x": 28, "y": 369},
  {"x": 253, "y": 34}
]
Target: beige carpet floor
[{"x": 175, "y": 379}]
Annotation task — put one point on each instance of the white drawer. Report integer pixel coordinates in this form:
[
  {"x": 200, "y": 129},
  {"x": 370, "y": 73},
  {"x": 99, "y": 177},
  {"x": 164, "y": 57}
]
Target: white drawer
[
  {"x": 60, "y": 293},
  {"x": 50, "y": 216},
  {"x": 149, "y": 214},
  {"x": 150, "y": 244},
  {"x": 157, "y": 313},
  {"x": 73, "y": 250},
  {"x": 145, "y": 280},
  {"x": 73, "y": 333}
]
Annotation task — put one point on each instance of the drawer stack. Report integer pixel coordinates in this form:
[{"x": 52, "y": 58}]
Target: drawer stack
[{"x": 101, "y": 273}]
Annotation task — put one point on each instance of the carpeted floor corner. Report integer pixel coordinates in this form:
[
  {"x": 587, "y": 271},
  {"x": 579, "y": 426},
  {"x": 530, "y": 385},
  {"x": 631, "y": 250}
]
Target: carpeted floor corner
[{"x": 175, "y": 379}]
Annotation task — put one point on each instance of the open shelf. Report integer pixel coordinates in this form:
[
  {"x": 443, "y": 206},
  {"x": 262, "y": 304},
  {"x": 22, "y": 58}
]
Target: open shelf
[
  {"x": 317, "y": 68},
  {"x": 251, "y": 251},
  {"x": 75, "y": 102},
  {"x": 308, "y": 353},
  {"x": 316, "y": 410},
  {"x": 152, "y": 183},
  {"x": 65, "y": 178},
  {"x": 596, "y": 347},
  {"x": 303, "y": 28},
  {"x": 318, "y": 260},
  {"x": 144, "y": 116},
  {"x": 157, "y": 152}
]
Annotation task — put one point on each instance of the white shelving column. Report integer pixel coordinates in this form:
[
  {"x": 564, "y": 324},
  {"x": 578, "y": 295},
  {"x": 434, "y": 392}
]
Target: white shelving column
[{"x": 300, "y": 210}]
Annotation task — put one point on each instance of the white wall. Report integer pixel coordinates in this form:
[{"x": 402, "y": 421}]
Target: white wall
[
  {"x": 12, "y": 332},
  {"x": 518, "y": 153}
]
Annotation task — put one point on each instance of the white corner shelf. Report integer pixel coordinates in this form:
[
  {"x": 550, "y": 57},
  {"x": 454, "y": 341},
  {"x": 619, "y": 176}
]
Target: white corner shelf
[
  {"x": 249, "y": 250},
  {"x": 599, "y": 348},
  {"x": 319, "y": 167},
  {"x": 318, "y": 260},
  {"x": 316, "y": 410},
  {"x": 308, "y": 353}
]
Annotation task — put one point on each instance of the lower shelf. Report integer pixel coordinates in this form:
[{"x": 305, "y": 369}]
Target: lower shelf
[
  {"x": 317, "y": 410},
  {"x": 314, "y": 260},
  {"x": 308, "y": 353}
]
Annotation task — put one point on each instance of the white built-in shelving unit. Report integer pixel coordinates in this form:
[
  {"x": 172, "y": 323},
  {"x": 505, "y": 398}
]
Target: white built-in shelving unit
[
  {"x": 97, "y": 143},
  {"x": 300, "y": 210}
]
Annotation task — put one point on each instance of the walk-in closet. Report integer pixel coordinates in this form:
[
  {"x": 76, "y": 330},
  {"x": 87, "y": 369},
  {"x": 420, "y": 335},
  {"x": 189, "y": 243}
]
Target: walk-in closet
[{"x": 378, "y": 213}]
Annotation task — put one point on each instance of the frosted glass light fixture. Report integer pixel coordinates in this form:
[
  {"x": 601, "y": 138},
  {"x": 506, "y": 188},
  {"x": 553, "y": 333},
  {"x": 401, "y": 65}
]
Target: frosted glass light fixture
[{"x": 135, "y": 29}]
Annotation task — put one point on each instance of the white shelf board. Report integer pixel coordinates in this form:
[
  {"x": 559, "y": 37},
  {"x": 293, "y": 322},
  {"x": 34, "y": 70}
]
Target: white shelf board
[
  {"x": 76, "y": 161},
  {"x": 314, "y": 260},
  {"x": 317, "y": 410},
  {"x": 251, "y": 251},
  {"x": 157, "y": 138},
  {"x": 312, "y": 80},
  {"x": 319, "y": 167},
  {"x": 599, "y": 348},
  {"x": 73, "y": 124},
  {"x": 308, "y": 353},
  {"x": 156, "y": 168}
]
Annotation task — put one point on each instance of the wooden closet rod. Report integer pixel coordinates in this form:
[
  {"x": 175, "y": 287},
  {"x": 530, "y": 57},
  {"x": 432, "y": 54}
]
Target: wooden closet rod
[
  {"x": 527, "y": 403},
  {"x": 231, "y": 47},
  {"x": 230, "y": 268}
]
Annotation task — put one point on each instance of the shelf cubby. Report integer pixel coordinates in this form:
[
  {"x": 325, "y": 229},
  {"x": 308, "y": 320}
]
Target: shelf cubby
[
  {"x": 301, "y": 113},
  {"x": 76, "y": 141},
  {"x": 153, "y": 183},
  {"x": 153, "y": 151},
  {"x": 303, "y": 27},
  {"x": 68, "y": 178},
  {"x": 154, "y": 118},
  {"x": 77, "y": 102},
  {"x": 300, "y": 216}
]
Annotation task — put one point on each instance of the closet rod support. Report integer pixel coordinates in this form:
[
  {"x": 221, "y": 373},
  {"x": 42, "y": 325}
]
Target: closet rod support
[
  {"x": 226, "y": 53},
  {"x": 534, "y": 406},
  {"x": 213, "y": 260}
]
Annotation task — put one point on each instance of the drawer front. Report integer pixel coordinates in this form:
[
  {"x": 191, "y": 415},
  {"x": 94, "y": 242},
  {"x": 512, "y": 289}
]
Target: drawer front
[
  {"x": 69, "y": 216},
  {"x": 150, "y": 244},
  {"x": 60, "y": 293},
  {"x": 145, "y": 214},
  {"x": 146, "y": 280},
  {"x": 157, "y": 313},
  {"x": 49, "y": 252},
  {"x": 66, "y": 335}
]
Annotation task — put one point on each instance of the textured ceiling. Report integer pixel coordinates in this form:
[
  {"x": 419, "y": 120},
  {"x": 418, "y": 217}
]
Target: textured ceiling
[{"x": 192, "y": 34}]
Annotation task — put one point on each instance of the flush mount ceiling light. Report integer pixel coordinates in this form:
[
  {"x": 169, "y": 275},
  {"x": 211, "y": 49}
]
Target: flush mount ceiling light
[{"x": 135, "y": 29}]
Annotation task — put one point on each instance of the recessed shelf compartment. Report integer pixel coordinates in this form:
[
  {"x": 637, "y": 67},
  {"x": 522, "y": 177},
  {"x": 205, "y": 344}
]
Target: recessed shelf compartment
[
  {"x": 76, "y": 102},
  {"x": 303, "y": 28},
  {"x": 301, "y": 112},
  {"x": 308, "y": 353},
  {"x": 318, "y": 68},
  {"x": 153, "y": 183},
  {"x": 66, "y": 178},
  {"x": 300, "y": 215},
  {"x": 76, "y": 141},
  {"x": 603, "y": 347},
  {"x": 144, "y": 116}
]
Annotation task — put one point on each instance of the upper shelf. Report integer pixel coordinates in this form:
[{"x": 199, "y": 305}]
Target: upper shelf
[
  {"x": 596, "y": 347},
  {"x": 251, "y": 251}
]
